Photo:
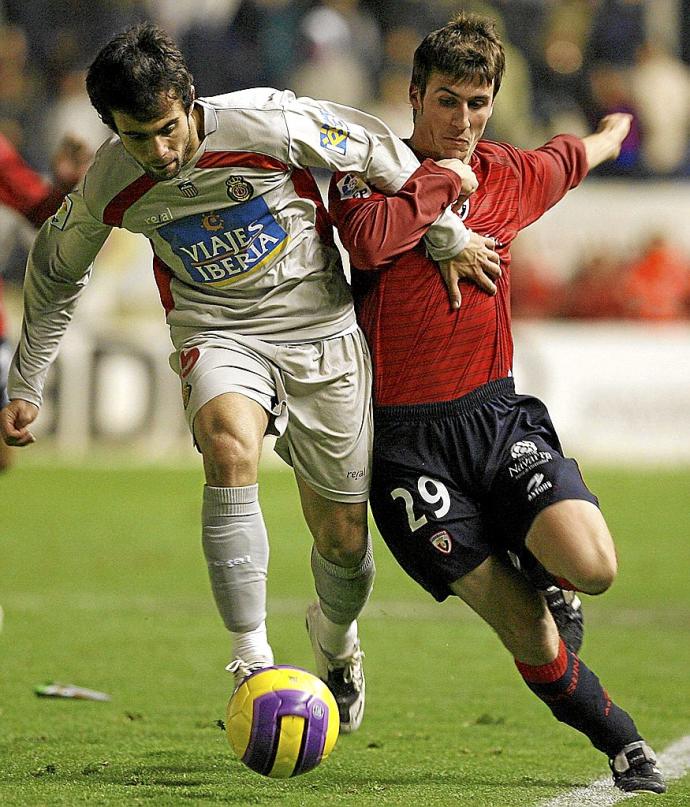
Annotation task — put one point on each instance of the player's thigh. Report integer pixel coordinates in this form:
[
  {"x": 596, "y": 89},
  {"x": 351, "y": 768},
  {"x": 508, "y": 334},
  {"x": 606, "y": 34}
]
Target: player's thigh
[
  {"x": 230, "y": 399},
  {"x": 512, "y": 607},
  {"x": 532, "y": 474},
  {"x": 328, "y": 436},
  {"x": 433, "y": 528},
  {"x": 572, "y": 538}
]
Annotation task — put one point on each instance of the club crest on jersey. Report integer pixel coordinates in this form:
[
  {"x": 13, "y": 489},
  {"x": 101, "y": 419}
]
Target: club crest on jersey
[
  {"x": 239, "y": 190},
  {"x": 442, "y": 541},
  {"x": 352, "y": 186},
  {"x": 188, "y": 189},
  {"x": 218, "y": 248},
  {"x": 334, "y": 135},
  {"x": 59, "y": 220}
]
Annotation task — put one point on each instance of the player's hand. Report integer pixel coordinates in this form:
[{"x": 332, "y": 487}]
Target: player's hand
[
  {"x": 15, "y": 419},
  {"x": 70, "y": 161},
  {"x": 605, "y": 143},
  {"x": 466, "y": 174},
  {"x": 478, "y": 262},
  {"x": 616, "y": 127}
]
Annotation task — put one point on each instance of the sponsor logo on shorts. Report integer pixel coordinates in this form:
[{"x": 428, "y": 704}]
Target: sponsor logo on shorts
[
  {"x": 521, "y": 448},
  {"x": 528, "y": 462},
  {"x": 353, "y": 187},
  {"x": 219, "y": 247},
  {"x": 59, "y": 220},
  {"x": 536, "y": 486},
  {"x": 239, "y": 189},
  {"x": 186, "y": 394},
  {"x": 464, "y": 210},
  {"x": 528, "y": 457},
  {"x": 188, "y": 358},
  {"x": 357, "y": 473},
  {"x": 334, "y": 135},
  {"x": 442, "y": 541}
]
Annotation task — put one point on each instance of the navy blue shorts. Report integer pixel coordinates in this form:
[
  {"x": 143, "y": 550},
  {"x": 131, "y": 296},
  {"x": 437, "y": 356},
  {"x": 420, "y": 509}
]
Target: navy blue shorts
[{"x": 461, "y": 480}]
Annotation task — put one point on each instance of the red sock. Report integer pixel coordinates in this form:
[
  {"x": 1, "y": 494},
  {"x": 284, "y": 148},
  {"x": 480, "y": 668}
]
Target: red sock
[
  {"x": 575, "y": 696},
  {"x": 545, "y": 673}
]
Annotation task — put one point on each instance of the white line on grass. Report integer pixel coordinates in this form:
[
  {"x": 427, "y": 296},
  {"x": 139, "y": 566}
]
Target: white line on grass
[{"x": 674, "y": 762}]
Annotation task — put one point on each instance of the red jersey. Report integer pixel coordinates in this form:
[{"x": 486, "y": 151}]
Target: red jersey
[
  {"x": 22, "y": 189},
  {"x": 424, "y": 351}
]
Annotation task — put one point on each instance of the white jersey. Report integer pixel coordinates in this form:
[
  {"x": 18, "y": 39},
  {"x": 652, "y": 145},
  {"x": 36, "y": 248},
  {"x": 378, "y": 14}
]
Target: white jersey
[{"x": 241, "y": 238}]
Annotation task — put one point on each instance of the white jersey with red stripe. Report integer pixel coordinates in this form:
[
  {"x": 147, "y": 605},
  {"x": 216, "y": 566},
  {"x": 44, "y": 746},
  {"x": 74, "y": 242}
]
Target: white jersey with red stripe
[{"x": 241, "y": 239}]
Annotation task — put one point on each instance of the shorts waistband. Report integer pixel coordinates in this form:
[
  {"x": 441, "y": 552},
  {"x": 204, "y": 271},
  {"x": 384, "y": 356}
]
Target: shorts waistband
[{"x": 459, "y": 406}]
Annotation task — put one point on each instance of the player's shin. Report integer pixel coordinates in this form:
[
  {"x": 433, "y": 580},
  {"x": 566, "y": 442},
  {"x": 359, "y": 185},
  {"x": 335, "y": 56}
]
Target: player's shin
[
  {"x": 575, "y": 696},
  {"x": 236, "y": 549},
  {"x": 343, "y": 592}
]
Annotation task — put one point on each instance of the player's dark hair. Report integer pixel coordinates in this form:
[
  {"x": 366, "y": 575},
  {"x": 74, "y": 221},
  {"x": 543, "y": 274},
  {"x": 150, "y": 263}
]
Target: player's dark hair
[
  {"x": 468, "y": 49},
  {"x": 138, "y": 73}
]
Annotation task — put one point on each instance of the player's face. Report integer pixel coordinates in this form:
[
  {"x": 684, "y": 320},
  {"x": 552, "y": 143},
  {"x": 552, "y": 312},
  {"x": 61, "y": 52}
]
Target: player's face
[
  {"x": 161, "y": 146},
  {"x": 450, "y": 118}
]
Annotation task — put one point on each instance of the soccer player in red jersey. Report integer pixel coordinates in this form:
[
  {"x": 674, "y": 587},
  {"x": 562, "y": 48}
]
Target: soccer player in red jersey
[
  {"x": 466, "y": 472},
  {"x": 25, "y": 191}
]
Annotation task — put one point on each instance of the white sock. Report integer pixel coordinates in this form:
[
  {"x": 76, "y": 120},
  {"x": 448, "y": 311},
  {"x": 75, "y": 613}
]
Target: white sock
[
  {"x": 252, "y": 646},
  {"x": 338, "y": 641}
]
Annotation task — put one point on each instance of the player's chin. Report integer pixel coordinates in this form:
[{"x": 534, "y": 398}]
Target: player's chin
[{"x": 161, "y": 174}]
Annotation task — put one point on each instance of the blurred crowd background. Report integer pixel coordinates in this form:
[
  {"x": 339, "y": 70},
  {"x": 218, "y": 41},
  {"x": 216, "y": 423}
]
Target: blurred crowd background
[{"x": 568, "y": 63}]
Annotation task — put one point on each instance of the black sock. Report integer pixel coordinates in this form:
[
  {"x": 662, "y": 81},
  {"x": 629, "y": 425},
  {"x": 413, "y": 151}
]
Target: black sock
[{"x": 576, "y": 697}]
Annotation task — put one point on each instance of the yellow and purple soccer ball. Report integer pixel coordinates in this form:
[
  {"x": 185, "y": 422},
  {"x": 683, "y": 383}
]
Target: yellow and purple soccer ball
[{"x": 282, "y": 721}]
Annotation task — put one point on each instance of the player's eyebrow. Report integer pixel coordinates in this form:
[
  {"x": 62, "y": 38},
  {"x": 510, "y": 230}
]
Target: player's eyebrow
[
  {"x": 450, "y": 91},
  {"x": 157, "y": 129}
]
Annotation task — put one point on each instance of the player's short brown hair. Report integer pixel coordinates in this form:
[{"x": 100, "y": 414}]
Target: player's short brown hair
[
  {"x": 137, "y": 73},
  {"x": 468, "y": 48}
]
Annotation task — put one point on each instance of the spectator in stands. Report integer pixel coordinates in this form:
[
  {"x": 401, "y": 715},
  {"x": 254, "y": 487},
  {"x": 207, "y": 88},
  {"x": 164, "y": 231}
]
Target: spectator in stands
[
  {"x": 657, "y": 285},
  {"x": 661, "y": 81},
  {"x": 595, "y": 291},
  {"x": 25, "y": 191}
]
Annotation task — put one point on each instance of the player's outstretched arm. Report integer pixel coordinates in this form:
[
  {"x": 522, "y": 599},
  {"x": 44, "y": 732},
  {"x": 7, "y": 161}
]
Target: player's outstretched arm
[
  {"x": 15, "y": 420},
  {"x": 605, "y": 144},
  {"x": 478, "y": 262}
]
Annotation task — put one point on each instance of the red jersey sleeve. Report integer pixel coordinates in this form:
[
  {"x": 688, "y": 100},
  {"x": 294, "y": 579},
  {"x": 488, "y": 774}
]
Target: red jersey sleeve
[
  {"x": 376, "y": 229},
  {"x": 22, "y": 189},
  {"x": 547, "y": 174}
]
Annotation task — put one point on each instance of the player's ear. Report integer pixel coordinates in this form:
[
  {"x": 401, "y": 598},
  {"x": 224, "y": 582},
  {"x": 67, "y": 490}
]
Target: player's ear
[{"x": 415, "y": 98}]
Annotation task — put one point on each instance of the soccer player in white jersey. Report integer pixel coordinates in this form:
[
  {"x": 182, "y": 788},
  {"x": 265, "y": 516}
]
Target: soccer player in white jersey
[{"x": 260, "y": 314}]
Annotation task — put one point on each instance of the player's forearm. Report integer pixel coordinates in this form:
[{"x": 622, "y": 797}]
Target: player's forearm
[
  {"x": 599, "y": 149},
  {"x": 605, "y": 144},
  {"x": 376, "y": 229}
]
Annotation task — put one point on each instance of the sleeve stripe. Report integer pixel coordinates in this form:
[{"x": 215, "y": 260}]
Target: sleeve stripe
[{"x": 116, "y": 208}]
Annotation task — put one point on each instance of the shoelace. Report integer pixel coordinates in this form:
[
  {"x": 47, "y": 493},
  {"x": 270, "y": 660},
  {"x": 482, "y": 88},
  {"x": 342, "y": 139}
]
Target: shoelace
[{"x": 351, "y": 665}]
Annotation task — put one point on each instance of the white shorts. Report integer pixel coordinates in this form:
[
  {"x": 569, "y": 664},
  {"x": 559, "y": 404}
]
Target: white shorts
[{"x": 317, "y": 393}]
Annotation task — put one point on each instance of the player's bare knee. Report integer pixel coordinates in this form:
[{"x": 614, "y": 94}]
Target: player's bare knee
[
  {"x": 597, "y": 576},
  {"x": 343, "y": 544},
  {"x": 228, "y": 460}
]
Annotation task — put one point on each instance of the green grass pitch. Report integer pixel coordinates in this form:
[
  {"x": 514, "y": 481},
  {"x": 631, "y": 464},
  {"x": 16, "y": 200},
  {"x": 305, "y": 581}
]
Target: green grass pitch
[{"x": 103, "y": 585}]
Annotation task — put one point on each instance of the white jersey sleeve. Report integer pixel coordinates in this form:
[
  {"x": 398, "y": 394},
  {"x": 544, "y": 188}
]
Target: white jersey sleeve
[{"x": 53, "y": 284}]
